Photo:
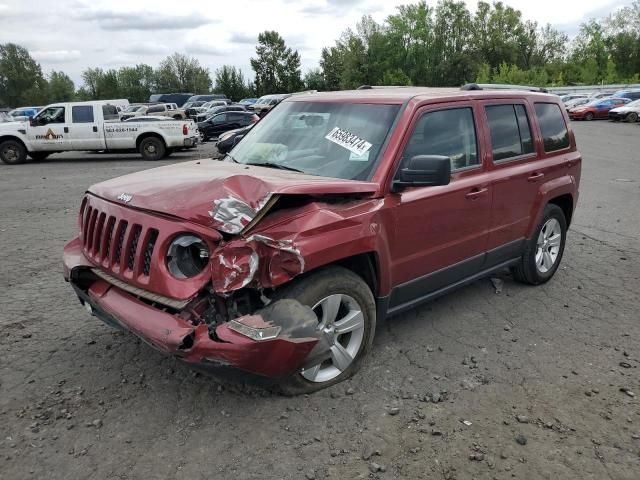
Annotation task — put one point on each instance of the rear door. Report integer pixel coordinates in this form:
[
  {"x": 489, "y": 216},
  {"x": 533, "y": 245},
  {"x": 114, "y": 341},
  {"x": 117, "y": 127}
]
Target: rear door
[
  {"x": 440, "y": 232},
  {"x": 84, "y": 133},
  {"x": 50, "y": 130},
  {"x": 519, "y": 165}
]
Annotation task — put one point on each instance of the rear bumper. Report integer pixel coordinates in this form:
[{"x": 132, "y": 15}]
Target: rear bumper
[
  {"x": 191, "y": 141},
  {"x": 212, "y": 348}
]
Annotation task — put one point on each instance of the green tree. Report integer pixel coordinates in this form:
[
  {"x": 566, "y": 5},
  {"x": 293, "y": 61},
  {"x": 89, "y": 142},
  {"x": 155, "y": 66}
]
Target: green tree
[
  {"x": 21, "y": 79},
  {"x": 180, "y": 73},
  {"x": 331, "y": 66},
  {"x": 61, "y": 87},
  {"x": 314, "y": 80},
  {"x": 136, "y": 83},
  {"x": 276, "y": 66},
  {"x": 230, "y": 81}
]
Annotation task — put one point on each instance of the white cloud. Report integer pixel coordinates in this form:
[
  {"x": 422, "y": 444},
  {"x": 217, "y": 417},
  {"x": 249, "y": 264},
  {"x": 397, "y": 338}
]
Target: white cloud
[{"x": 55, "y": 56}]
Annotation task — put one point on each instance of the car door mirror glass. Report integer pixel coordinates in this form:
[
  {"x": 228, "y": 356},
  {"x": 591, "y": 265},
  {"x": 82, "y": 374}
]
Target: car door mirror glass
[{"x": 424, "y": 171}]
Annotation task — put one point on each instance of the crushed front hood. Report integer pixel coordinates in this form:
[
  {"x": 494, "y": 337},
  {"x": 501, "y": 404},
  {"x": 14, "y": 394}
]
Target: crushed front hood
[{"x": 200, "y": 191}]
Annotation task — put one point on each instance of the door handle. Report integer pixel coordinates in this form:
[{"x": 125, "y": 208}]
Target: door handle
[
  {"x": 475, "y": 193},
  {"x": 535, "y": 177},
  {"x": 66, "y": 129},
  {"x": 95, "y": 129}
]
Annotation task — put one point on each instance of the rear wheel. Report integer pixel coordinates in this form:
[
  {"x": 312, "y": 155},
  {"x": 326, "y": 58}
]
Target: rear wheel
[
  {"x": 12, "y": 152},
  {"x": 346, "y": 313},
  {"x": 152, "y": 148},
  {"x": 203, "y": 137},
  {"x": 39, "y": 156},
  {"x": 544, "y": 250},
  {"x": 632, "y": 117},
  {"x": 588, "y": 116},
  {"x": 177, "y": 117}
]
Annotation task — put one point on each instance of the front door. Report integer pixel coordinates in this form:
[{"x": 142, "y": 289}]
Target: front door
[
  {"x": 49, "y": 130},
  {"x": 441, "y": 231},
  {"x": 84, "y": 131}
]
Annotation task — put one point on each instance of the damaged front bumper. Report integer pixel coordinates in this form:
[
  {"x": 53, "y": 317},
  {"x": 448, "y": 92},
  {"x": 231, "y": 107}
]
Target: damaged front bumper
[{"x": 274, "y": 342}]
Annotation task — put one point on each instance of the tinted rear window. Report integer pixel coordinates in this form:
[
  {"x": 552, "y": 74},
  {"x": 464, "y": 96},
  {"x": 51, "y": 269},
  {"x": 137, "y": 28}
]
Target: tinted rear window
[
  {"x": 510, "y": 133},
  {"x": 554, "y": 129},
  {"x": 82, "y": 114}
]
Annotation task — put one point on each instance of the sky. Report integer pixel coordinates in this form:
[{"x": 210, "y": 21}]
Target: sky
[{"x": 72, "y": 35}]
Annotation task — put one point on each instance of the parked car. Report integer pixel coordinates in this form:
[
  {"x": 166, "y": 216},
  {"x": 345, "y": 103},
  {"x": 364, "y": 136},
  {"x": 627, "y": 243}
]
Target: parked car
[
  {"x": 24, "y": 113},
  {"x": 599, "y": 95},
  {"x": 223, "y": 122},
  {"x": 4, "y": 117},
  {"x": 573, "y": 96},
  {"x": 630, "y": 94},
  {"x": 248, "y": 102},
  {"x": 267, "y": 102},
  {"x": 207, "y": 98},
  {"x": 201, "y": 117},
  {"x": 148, "y": 118},
  {"x": 576, "y": 102},
  {"x": 280, "y": 261},
  {"x": 596, "y": 109},
  {"x": 230, "y": 139},
  {"x": 159, "y": 109},
  {"x": 86, "y": 126},
  {"x": 629, "y": 112},
  {"x": 178, "y": 98}
]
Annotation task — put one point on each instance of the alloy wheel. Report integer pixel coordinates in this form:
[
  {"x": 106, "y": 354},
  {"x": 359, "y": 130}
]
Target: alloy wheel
[
  {"x": 548, "y": 245},
  {"x": 341, "y": 321}
]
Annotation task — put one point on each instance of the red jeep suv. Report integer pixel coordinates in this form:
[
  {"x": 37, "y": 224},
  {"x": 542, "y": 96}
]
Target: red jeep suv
[{"x": 335, "y": 211}]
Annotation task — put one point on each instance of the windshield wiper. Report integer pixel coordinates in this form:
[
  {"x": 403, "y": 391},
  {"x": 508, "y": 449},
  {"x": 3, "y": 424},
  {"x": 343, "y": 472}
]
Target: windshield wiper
[
  {"x": 232, "y": 159},
  {"x": 275, "y": 165}
]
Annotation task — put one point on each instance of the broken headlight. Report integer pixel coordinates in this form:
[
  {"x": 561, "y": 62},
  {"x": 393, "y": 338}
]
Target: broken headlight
[{"x": 187, "y": 256}]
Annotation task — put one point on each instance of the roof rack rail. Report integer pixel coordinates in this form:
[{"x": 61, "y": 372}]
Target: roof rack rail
[
  {"x": 500, "y": 86},
  {"x": 371, "y": 87}
]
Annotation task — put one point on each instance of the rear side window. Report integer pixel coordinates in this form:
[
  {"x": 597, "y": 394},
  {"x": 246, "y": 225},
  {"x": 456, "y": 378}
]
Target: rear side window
[
  {"x": 110, "y": 112},
  {"x": 554, "y": 129},
  {"x": 156, "y": 109},
  {"x": 451, "y": 133},
  {"x": 510, "y": 131}
]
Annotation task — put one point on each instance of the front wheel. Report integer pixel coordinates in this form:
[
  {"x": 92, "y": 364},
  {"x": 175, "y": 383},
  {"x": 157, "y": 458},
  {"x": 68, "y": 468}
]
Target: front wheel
[
  {"x": 12, "y": 152},
  {"x": 588, "y": 117},
  {"x": 632, "y": 117},
  {"x": 203, "y": 137},
  {"x": 544, "y": 250},
  {"x": 152, "y": 148},
  {"x": 346, "y": 312}
]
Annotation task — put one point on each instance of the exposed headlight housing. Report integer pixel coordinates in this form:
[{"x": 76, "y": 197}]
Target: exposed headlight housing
[{"x": 187, "y": 256}]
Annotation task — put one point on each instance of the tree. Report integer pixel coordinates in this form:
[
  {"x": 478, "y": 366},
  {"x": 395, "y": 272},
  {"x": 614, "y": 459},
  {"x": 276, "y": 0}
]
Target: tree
[
  {"x": 21, "y": 80},
  {"x": 136, "y": 83},
  {"x": 230, "y": 81},
  {"x": 61, "y": 87},
  {"x": 331, "y": 65},
  {"x": 313, "y": 80},
  {"x": 180, "y": 73},
  {"x": 276, "y": 66}
]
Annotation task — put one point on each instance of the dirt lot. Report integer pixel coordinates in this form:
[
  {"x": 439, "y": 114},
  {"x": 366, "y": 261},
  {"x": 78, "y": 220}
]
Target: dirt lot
[{"x": 528, "y": 383}]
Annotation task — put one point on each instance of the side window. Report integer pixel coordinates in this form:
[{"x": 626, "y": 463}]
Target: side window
[
  {"x": 82, "y": 114},
  {"x": 156, "y": 109},
  {"x": 451, "y": 133},
  {"x": 554, "y": 130},
  {"x": 510, "y": 132},
  {"x": 221, "y": 118},
  {"x": 52, "y": 115},
  {"x": 110, "y": 112}
]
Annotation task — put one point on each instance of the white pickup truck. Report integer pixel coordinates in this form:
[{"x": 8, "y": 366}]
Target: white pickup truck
[{"x": 91, "y": 126}]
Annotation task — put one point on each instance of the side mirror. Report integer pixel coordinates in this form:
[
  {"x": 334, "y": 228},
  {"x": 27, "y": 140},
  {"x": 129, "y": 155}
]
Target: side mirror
[
  {"x": 236, "y": 139},
  {"x": 32, "y": 121},
  {"x": 424, "y": 171}
]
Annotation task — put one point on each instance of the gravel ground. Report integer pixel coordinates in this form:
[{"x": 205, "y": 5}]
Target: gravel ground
[{"x": 528, "y": 383}]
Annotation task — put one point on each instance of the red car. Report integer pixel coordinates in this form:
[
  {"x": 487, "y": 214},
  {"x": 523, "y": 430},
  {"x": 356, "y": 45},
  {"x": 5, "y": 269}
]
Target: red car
[
  {"x": 335, "y": 211},
  {"x": 597, "y": 109}
]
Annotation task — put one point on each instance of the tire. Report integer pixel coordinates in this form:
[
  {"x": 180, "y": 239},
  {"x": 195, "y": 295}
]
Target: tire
[
  {"x": 322, "y": 288},
  {"x": 203, "y": 137},
  {"x": 534, "y": 267},
  {"x": 177, "y": 117},
  {"x": 588, "y": 117},
  {"x": 39, "y": 156},
  {"x": 632, "y": 117},
  {"x": 12, "y": 152},
  {"x": 152, "y": 148}
]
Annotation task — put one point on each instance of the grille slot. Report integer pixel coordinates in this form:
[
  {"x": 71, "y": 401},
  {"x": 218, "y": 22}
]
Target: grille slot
[
  {"x": 120, "y": 242},
  {"x": 108, "y": 239},
  {"x": 148, "y": 251},
  {"x": 97, "y": 234},
  {"x": 131, "y": 258}
]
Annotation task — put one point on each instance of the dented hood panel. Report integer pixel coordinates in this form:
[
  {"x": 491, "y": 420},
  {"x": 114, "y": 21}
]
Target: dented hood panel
[{"x": 189, "y": 190}]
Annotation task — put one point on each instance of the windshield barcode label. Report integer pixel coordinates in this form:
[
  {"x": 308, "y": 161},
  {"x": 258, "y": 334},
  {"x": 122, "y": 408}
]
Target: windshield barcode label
[{"x": 351, "y": 142}]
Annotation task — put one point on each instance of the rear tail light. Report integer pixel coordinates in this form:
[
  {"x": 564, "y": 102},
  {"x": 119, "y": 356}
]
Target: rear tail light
[{"x": 185, "y": 129}]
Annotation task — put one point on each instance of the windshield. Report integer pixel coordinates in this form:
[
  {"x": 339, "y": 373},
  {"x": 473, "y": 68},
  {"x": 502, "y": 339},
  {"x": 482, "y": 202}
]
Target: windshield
[
  {"x": 132, "y": 108},
  {"x": 339, "y": 140},
  {"x": 635, "y": 103}
]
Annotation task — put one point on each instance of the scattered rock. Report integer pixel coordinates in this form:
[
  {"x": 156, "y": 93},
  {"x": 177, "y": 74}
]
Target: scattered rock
[
  {"x": 627, "y": 391},
  {"x": 625, "y": 365},
  {"x": 26, "y": 335},
  {"x": 521, "y": 439},
  {"x": 522, "y": 419},
  {"x": 393, "y": 410},
  {"x": 498, "y": 283},
  {"x": 588, "y": 393},
  {"x": 284, "y": 416},
  {"x": 375, "y": 467},
  {"x": 350, "y": 391},
  {"x": 367, "y": 452},
  {"x": 97, "y": 423},
  {"x": 310, "y": 475},
  {"x": 476, "y": 457},
  {"x": 435, "y": 397}
]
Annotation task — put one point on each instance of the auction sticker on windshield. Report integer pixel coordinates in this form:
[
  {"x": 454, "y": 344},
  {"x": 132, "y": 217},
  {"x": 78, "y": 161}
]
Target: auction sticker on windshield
[{"x": 351, "y": 142}]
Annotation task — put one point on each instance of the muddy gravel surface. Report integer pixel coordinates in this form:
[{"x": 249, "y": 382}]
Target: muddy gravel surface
[{"x": 531, "y": 382}]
